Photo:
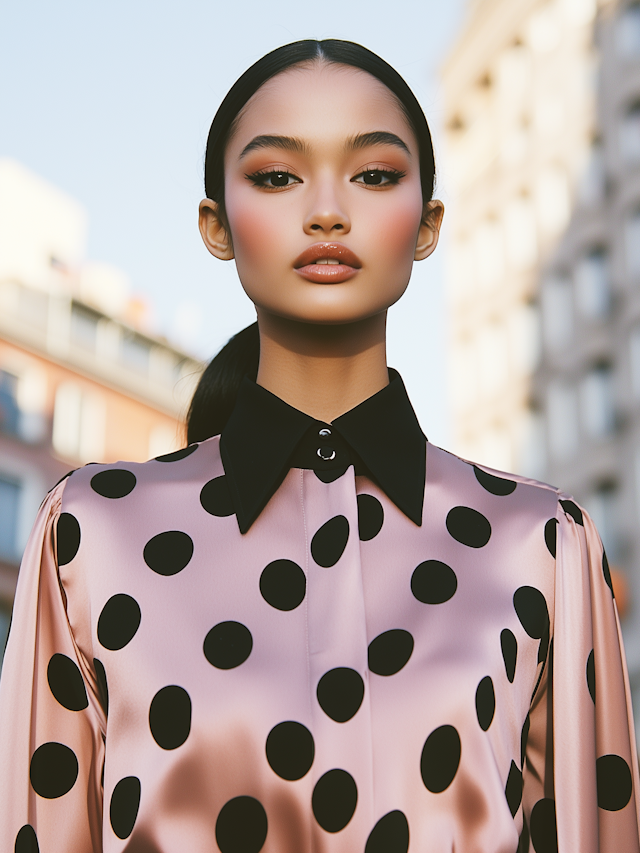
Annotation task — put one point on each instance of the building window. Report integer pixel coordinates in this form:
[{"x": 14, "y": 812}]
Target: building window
[
  {"x": 5, "y": 620},
  {"x": 592, "y": 284},
  {"x": 84, "y": 327},
  {"x": 630, "y": 134},
  {"x": 597, "y": 402},
  {"x": 592, "y": 182},
  {"x": 9, "y": 500},
  {"x": 634, "y": 360},
  {"x": 632, "y": 243},
  {"x": 562, "y": 419},
  {"x": 9, "y": 410},
  {"x": 602, "y": 506},
  {"x": 134, "y": 352},
  {"x": 557, "y": 312},
  {"x": 628, "y": 32},
  {"x": 79, "y": 424}
]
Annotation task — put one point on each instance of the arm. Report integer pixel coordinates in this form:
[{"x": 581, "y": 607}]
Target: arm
[{"x": 51, "y": 722}]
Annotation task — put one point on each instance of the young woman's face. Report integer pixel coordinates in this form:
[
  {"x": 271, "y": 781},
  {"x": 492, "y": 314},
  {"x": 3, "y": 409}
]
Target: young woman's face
[{"x": 323, "y": 197}]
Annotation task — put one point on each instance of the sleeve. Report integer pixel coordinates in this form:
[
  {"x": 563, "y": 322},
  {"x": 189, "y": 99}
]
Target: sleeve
[
  {"x": 581, "y": 768},
  {"x": 51, "y": 722}
]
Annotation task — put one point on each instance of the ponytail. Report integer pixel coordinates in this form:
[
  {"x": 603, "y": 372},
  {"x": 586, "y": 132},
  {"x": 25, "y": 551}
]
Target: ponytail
[{"x": 217, "y": 390}]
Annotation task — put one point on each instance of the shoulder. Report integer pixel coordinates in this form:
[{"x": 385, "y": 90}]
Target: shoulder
[{"x": 124, "y": 481}]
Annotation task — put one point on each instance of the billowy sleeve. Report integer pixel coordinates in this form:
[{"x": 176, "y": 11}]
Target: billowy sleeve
[
  {"x": 581, "y": 770},
  {"x": 51, "y": 722}
]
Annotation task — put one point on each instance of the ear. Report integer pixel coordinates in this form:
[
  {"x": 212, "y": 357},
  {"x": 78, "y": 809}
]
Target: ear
[
  {"x": 429, "y": 229},
  {"x": 215, "y": 232}
]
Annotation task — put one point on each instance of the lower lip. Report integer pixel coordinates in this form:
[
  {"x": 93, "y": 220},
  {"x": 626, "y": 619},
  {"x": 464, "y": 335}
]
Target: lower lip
[{"x": 327, "y": 273}]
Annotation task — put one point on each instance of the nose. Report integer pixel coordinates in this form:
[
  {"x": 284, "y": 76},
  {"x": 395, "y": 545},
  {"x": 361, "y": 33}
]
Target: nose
[{"x": 326, "y": 216}]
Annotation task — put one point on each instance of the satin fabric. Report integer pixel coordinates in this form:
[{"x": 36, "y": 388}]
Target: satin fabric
[{"x": 463, "y": 675}]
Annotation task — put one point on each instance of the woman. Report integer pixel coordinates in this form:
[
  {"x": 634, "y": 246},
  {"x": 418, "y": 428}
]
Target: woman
[{"x": 311, "y": 630}]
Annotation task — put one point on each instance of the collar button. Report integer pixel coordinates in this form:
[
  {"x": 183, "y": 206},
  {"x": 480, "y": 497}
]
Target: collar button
[
  {"x": 326, "y": 453},
  {"x": 325, "y": 432}
]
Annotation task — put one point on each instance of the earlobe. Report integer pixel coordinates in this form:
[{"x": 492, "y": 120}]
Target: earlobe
[
  {"x": 429, "y": 232},
  {"x": 214, "y": 232}
]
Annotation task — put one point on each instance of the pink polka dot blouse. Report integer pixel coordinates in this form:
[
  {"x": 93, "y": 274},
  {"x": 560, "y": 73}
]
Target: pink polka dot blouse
[{"x": 314, "y": 638}]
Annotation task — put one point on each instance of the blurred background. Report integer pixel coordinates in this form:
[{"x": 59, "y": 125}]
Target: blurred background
[{"x": 519, "y": 340}]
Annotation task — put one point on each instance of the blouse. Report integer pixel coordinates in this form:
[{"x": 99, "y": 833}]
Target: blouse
[{"x": 303, "y": 637}]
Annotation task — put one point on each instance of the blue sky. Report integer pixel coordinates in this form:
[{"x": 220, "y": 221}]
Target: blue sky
[{"x": 112, "y": 103}]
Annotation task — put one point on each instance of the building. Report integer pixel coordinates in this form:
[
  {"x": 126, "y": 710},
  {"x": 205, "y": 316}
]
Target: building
[
  {"x": 519, "y": 118},
  {"x": 543, "y": 153},
  {"x": 80, "y": 379},
  {"x": 588, "y": 381}
]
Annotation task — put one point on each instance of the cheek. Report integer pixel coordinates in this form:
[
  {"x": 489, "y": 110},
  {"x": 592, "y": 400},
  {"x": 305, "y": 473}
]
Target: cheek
[
  {"x": 395, "y": 233},
  {"x": 255, "y": 231}
]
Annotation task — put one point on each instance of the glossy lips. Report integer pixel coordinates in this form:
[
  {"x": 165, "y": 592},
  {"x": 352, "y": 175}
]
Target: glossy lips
[{"x": 327, "y": 263}]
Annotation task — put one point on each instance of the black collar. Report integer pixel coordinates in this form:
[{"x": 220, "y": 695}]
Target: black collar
[{"x": 265, "y": 437}]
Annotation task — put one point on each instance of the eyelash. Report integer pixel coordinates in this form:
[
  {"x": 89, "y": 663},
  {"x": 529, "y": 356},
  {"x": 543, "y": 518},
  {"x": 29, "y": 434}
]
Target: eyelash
[{"x": 393, "y": 176}]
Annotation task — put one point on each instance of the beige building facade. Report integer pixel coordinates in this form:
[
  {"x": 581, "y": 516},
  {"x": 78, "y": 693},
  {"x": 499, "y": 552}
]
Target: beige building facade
[
  {"x": 81, "y": 380},
  {"x": 543, "y": 155},
  {"x": 519, "y": 117}
]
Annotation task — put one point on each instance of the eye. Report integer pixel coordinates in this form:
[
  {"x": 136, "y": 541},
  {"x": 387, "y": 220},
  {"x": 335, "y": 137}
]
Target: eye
[
  {"x": 378, "y": 177},
  {"x": 273, "y": 179}
]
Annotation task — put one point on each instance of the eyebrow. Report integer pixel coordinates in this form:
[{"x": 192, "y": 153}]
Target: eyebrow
[
  {"x": 376, "y": 137},
  {"x": 285, "y": 143},
  {"x": 292, "y": 143}
]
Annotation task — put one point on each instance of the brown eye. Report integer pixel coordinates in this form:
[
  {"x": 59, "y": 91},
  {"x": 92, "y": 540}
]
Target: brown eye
[
  {"x": 372, "y": 178},
  {"x": 279, "y": 179}
]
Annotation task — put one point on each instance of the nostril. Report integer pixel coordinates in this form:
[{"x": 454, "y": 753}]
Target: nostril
[
  {"x": 315, "y": 227},
  {"x": 338, "y": 227}
]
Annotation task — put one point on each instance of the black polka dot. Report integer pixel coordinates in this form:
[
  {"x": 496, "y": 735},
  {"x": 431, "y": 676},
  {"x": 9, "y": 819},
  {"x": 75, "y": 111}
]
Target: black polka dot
[
  {"x": 125, "y": 802},
  {"x": 495, "y": 485},
  {"x": 116, "y": 483},
  {"x": 334, "y": 800},
  {"x": 607, "y": 572},
  {"x": 241, "y": 826},
  {"x": 283, "y": 584},
  {"x": 170, "y": 716},
  {"x": 544, "y": 833},
  {"x": 290, "y": 750},
  {"x": 66, "y": 683},
  {"x": 67, "y": 538},
  {"x": 119, "y": 621},
  {"x": 215, "y": 497},
  {"x": 440, "y": 759},
  {"x": 103, "y": 689},
  {"x": 531, "y": 607},
  {"x": 27, "y": 840},
  {"x": 169, "y": 552},
  {"x": 340, "y": 693},
  {"x": 468, "y": 526},
  {"x": 591, "y": 676},
  {"x": 177, "y": 455},
  {"x": 550, "y": 535},
  {"x": 331, "y": 475},
  {"x": 228, "y": 644},
  {"x": 433, "y": 582},
  {"x": 370, "y": 517},
  {"x": 613, "y": 779},
  {"x": 54, "y": 770},
  {"x": 390, "y": 651},
  {"x": 509, "y": 646},
  {"x": 485, "y": 702},
  {"x": 524, "y": 737},
  {"x": 513, "y": 789},
  {"x": 389, "y": 835},
  {"x": 329, "y": 542},
  {"x": 573, "y": 510}
]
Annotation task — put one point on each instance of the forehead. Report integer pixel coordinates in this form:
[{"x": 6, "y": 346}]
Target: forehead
[{"x": 321, "y": 101}]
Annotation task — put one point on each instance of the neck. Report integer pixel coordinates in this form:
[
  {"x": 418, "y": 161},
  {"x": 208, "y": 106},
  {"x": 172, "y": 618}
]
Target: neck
[{"x": 322, "y": 370}]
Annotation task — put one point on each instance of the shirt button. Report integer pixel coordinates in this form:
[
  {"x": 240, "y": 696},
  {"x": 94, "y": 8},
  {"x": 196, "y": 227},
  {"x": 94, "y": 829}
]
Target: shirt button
[
  {"x": 326, "y": 453},
  {"x": 325, "y": 432}
]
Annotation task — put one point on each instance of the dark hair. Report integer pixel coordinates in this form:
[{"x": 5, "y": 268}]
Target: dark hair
[{"x": 217, "y": 389}]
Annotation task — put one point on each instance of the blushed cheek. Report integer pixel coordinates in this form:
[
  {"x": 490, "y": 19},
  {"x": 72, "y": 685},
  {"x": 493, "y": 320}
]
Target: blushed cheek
[
  {"x": 400, "y": 233},
  {"x": 254, "y": 234}
]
